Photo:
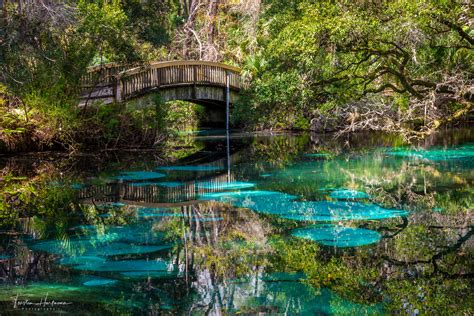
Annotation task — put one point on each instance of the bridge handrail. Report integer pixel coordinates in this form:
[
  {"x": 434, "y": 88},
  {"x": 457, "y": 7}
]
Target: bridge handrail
[
  {"x": 111, "y": 68},
  {"x": 139, "y": 79},
  {"x": 165, "y": 64},
  {"x": 159, "y": 64},
  {"x": 103, "y": 74}
]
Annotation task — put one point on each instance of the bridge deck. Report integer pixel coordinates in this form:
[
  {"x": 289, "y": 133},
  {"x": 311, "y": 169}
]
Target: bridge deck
[{"x": 115, "y": 82}]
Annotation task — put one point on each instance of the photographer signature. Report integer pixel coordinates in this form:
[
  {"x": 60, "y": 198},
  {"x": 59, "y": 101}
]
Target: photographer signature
[{"x": 44, "y": 303}]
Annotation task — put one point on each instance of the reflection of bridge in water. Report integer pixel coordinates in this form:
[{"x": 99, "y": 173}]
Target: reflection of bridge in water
[{"x": 159, "y": 194}]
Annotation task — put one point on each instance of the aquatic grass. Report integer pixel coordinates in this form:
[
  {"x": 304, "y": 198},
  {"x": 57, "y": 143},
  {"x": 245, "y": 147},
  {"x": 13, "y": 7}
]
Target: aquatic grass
[
  {"x": 282, "y": 294},
  {"x": 199, "y": 168},
  {"x": 85, "y": 248},
  {"x": 338, "y": 236},
  {"x": 286, "y": 206},
  {"x": 138, "y": 175},
  {"x": 435, "y": 153},
  {"x": 100, "y": 282},
  {"x": 81, "y": 260},
  {"x": 344, "y": 194},
  {"x": 150, "y": 274},
  {"x": 125, "y": 266},
  {"x": 318, "y": 155},
  {"x": 170, "y": 184},
  {"x": 147, "y": 212},
  {"x": 337, "y": 211},
  {"x": 242, "y": 195},
  {"x": 116, "y": 240},
  {"x": 111, "y": 205},
  {"x": 151, "y": 214},
  {"x": 77, "y": 186},
  {"x": 207, "y": 219}
]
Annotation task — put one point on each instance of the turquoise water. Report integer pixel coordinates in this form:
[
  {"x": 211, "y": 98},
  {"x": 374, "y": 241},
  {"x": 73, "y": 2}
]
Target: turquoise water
[
  {"x": 338, "y": 236},
  {"x": 284, "y": 224}
]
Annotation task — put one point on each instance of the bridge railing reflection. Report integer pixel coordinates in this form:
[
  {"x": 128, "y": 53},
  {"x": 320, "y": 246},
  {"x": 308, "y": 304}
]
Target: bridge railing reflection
[{"x": 130, "y": 192}]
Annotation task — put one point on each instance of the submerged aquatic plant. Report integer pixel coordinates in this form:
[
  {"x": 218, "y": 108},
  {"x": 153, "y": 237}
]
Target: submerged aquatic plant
[{"x": 338, "y": 236}]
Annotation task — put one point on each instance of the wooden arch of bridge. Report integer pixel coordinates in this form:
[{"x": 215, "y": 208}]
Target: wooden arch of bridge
[{"x": 201, "y": 82}]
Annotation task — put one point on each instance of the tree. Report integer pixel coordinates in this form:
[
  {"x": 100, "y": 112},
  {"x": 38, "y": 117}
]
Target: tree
[{"x": 382, "y": 52}]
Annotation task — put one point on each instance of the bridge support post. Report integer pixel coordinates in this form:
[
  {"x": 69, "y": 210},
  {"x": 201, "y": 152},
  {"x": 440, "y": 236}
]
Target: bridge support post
[
  {"x": 118, "y": 90},
  {"x": 227, "y": 100}
]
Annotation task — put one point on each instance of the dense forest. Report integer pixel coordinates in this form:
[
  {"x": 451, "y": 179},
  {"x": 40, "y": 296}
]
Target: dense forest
[
  {"x": 344, "y": 187},
  {"x": 340, "y": 66}
]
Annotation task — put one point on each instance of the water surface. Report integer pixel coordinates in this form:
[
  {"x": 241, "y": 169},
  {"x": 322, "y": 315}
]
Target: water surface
[{"x": 255, "y": 224}]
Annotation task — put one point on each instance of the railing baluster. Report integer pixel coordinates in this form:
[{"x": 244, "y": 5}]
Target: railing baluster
[{"x": 155, "y": 75}]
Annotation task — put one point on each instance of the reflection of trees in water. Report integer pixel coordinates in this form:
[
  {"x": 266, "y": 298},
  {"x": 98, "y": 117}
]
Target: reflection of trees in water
[
  {"x": 425, "y": 248},
  {"x": 23, "y": 266},
  {"x": 439, "y": 255},
  {"x": 215, "y": 252}
]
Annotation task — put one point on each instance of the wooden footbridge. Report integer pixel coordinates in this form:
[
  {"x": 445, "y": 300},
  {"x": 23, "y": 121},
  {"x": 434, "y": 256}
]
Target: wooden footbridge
[{"x": 201, "y": 82}]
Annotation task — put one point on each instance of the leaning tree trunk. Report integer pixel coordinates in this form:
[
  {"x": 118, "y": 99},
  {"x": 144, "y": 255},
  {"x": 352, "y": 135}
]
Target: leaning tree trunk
[
  {"x": 191, "y": 6},
  {"x": 211, "y": 51}
]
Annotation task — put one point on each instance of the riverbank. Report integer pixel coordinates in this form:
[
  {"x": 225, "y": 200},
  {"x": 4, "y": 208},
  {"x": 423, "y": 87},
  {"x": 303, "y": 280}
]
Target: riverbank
[{"x": 146, "y": 124}]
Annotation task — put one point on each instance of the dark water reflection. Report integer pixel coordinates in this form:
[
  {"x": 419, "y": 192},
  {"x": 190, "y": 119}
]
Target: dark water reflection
[{"x": 283, "y": 224}]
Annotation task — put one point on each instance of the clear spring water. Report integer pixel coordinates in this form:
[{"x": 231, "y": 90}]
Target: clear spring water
[{"x": 284, "y": 224}]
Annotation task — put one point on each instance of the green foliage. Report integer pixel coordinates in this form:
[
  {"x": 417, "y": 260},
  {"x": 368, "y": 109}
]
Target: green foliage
[
  {"x": 303, "y": 60},
  {"x": 13, "y": 194},
  {"x": 176, "y": 116},
  {"x": 150, "y": 20},
  {"x": 115, "y": 125},
  {"x": 45, "y": 52},
  {"x": 430, "y": 296},
  {"x": 296, "y": 255},
  {"x": 326, "y": 52},
  {"x": 232, "y": 257},
  {"x": 103, "y": 28},
  {"x": 173, "y": 229},
  {"x": 22, "y": 197}
]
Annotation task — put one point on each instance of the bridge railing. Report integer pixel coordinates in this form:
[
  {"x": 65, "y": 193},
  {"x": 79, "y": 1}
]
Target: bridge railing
[
  {"x": 163, "y": 74},
  {"x": 128, "y": 82},
  {"x": 103, "y": 75}
]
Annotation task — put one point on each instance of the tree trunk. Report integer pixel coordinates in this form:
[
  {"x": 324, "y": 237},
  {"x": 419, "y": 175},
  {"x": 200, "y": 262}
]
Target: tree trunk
[
  {"x": 213, "y": 5},
  {"x": 191, "y": 8},
  {"x": 211, "y": 51}
]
